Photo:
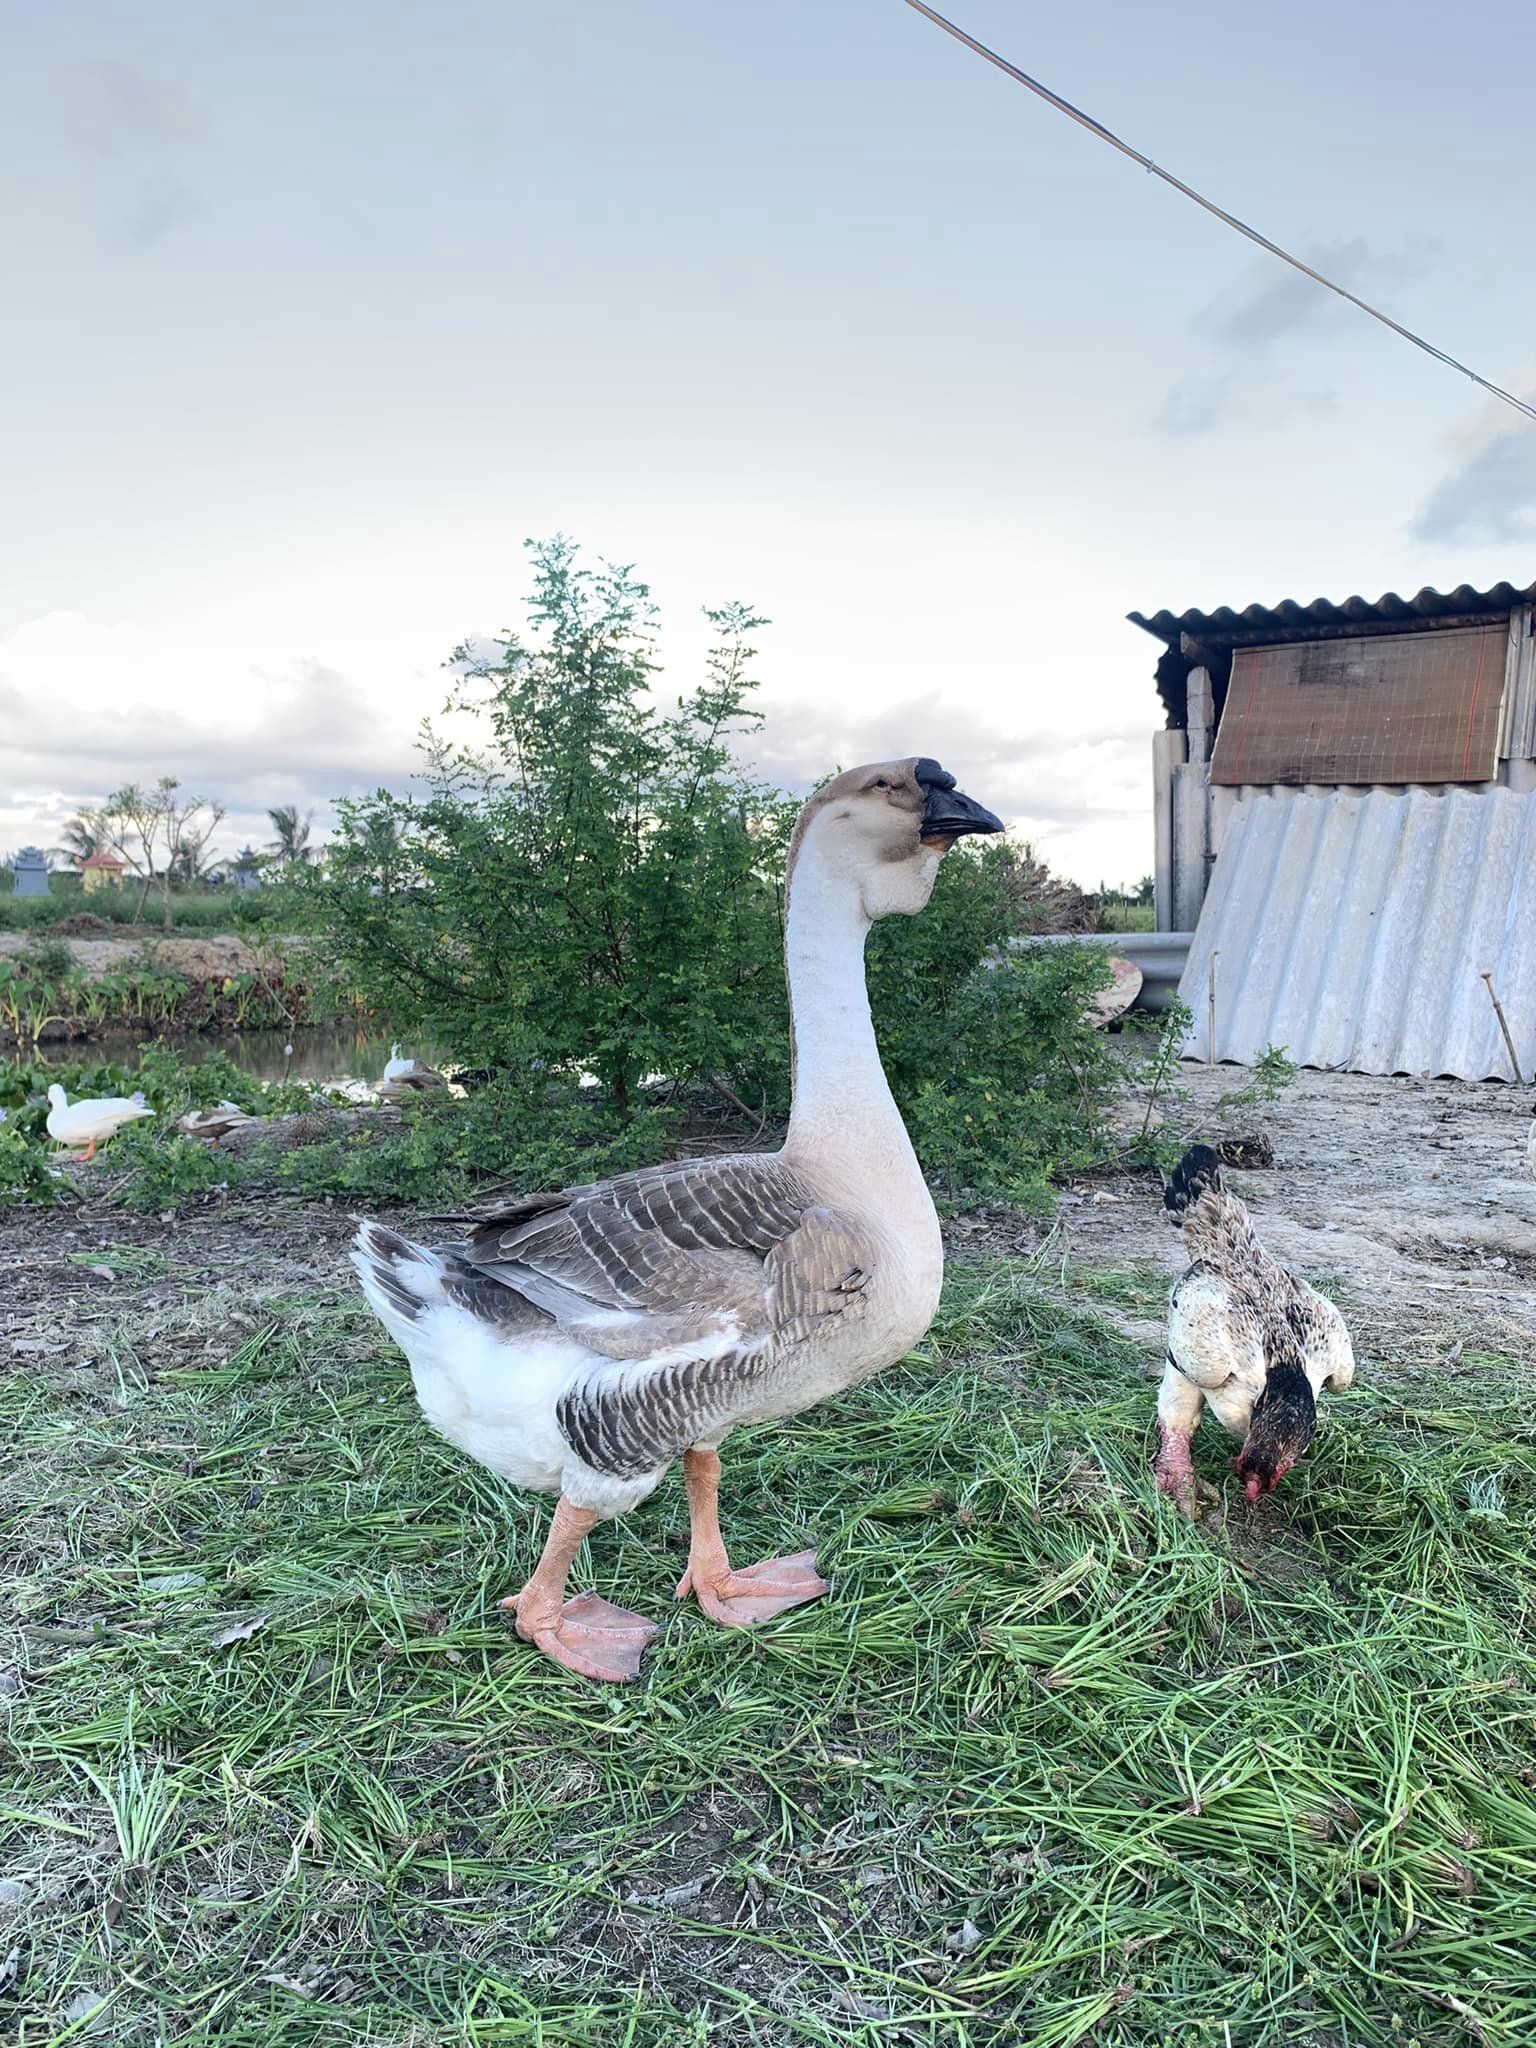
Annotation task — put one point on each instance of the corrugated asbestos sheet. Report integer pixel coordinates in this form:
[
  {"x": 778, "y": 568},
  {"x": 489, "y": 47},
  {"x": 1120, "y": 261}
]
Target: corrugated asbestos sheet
[
  {"x": 1288, "y": 619},
  {"x": 1353, "y": 930}
]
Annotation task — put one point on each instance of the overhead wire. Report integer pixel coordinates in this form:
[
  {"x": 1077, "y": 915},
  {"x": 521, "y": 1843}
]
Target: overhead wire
[{"x": 1084, "y": 120}]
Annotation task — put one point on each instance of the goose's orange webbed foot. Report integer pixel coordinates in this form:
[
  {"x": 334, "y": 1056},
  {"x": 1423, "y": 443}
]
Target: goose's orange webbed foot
[
  {"x": 588, "y": 1635},
  {"x": 736, "y": 1599},
  {"x": 757, "y": 1592}
]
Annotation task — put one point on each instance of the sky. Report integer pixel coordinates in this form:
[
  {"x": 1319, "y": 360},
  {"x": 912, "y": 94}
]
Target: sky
[{"x": 315, "y": 312}]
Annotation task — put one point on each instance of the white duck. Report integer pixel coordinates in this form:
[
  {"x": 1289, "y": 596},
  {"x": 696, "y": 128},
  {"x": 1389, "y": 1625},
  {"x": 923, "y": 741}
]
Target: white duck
[
  {"x": 579, "y": 1342},
  {"x": 404, "y": 1078},
  {"x": 91, "y": 1120}
]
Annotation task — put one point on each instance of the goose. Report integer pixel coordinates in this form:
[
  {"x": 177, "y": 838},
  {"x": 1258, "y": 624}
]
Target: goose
[
  {"x": 91, "y": 1120},
  {"x": 215, "y": 1123},
  {"x": 579, "y": 1342},
  {"x": 404, "y": 1078}
]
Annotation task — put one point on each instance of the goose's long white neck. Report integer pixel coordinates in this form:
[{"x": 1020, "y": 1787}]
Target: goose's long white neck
[{"x": 844, "y": 1119}]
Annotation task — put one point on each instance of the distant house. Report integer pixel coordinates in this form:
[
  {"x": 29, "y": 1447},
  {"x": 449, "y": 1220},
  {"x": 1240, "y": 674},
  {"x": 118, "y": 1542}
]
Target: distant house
[
  {"x": 1345, "y": 820},
  {"x": 101, "y": 871},
  {"x": 29, "y": 872},
  {"x": 246, "y": 871}
]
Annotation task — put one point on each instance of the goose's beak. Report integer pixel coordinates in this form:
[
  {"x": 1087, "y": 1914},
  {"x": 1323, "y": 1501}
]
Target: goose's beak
[{"x": 949, "y": 814}]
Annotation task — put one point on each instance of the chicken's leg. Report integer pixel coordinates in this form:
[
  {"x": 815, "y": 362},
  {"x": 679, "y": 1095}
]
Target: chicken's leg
[
  {"x": 736, "y": 1599},
  {"x": 1179, "y": 1406},
  {"x": 588, "y": 1635}
]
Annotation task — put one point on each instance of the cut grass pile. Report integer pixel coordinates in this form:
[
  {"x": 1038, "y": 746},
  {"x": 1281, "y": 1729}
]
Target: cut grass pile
[{"x": 1049, "y": 1766}]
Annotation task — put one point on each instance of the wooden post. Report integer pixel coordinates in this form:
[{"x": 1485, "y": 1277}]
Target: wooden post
[
  {"x": 1498, "y": 1011},
  {"x": 1167, "y": 754},
  {"x": 1201, "y": 714}
]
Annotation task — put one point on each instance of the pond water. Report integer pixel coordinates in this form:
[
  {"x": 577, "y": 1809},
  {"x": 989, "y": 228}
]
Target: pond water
[{"x": 349, "y": 1057}]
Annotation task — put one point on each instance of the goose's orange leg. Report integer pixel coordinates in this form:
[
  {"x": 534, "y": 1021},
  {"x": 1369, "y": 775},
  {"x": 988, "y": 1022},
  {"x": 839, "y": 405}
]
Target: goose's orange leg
[
  {"x": 588, "y": 1635},
  {"x": 736, "y": 1598},
  {"x": 79, "y": 1158}
]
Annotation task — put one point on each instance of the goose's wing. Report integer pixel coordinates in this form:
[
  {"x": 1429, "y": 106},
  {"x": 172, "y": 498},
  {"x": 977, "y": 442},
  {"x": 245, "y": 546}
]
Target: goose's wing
[
  {"x": 741, "y": 1236},
  {"x": 687, "y": 1281}
]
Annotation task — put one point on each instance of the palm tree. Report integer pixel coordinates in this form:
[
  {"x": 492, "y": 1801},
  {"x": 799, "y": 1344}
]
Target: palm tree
[
  {"x": 291, "y": 847},
  {"x": 86, "y": 833}
]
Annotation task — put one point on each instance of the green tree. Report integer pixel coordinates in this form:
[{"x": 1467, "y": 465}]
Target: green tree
[
  {"x": 158, "y": 831},
  {"x": 86, "y": 833},
  {"x": 290, "y": 845},
  {"x": 591, "y": 885}
]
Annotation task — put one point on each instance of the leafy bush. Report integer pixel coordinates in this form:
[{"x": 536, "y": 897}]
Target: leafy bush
[
  {"x": 153, "y": 1166},
  {"x": 593, "y": 885},
  {"x": 24, "y": 1175},
  {"x": 1020, "y": 1085},
  {"x": 537, "y": 1136},
  {"x": 162, "y": 1168}
]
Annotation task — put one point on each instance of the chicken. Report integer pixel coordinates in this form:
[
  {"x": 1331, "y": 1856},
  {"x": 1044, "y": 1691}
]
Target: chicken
[{"x": 1244, "y": 1334}]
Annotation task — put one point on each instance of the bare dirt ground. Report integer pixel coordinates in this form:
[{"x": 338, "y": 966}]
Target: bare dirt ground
[
  {"x": 1411, "y": 1199},
  {"x": 199, "y": 956}
]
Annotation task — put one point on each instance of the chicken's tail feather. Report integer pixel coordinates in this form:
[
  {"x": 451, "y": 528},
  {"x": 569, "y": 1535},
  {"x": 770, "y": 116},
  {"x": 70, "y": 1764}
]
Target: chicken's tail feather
[
  {"x": 1197, "y": 1173},
  {"x": 1214, "y": 1220}
]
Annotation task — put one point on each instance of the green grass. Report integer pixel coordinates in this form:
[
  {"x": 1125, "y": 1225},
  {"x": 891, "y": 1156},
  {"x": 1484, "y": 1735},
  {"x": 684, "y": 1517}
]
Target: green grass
[
  {"x": 193, "y": 910},
  {"x": 1049, "y": 1766}
]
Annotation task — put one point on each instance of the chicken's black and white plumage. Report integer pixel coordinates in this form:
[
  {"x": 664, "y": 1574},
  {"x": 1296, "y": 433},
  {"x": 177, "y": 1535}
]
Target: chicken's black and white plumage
[{"x": 1245, "y": 1336}]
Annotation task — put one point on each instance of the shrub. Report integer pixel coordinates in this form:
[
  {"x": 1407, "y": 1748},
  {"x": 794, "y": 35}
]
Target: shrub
[
  {"x": 596, "y": 890},
  {"x": 1018, "y": 1085},
  {"x": 593, "y": 885}
]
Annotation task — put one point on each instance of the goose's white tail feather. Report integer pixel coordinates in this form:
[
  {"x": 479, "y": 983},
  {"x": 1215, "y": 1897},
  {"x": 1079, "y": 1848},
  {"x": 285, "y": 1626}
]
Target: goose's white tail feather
[
  {"x": 488, "y": 1367},
  {"x": 401, "y": 1279}
]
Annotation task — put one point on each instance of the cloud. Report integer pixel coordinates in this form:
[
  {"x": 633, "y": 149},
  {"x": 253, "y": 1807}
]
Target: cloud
[
  {"x": 1278, "y": 300},
  {"x": 1048, "y": 786},
  {"x": 1491, "y": 492},
  {"x": 1275, "y": 302},
  {"x": 1198, "y": 405},
  {"x": 86, "y": 707},
  {"x": 141, "y": 134},
  {"x": 112, "y": 109}
]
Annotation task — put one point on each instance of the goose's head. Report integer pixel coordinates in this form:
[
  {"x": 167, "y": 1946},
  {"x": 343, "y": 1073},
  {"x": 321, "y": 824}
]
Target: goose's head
[
  {"x": 888, "y": 826},
  {"x": 57, "y": 1099}
]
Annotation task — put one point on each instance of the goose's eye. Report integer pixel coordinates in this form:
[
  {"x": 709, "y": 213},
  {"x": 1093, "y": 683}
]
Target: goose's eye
[{"x": 880, "y": 783}]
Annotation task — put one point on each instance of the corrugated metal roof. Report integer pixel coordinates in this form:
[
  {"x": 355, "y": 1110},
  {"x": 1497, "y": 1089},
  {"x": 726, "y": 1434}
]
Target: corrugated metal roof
[
  {"x": 1220, "y": 631},
  {"x": 1353, "y": 930},
  {"x": 1290, "y": 620}
]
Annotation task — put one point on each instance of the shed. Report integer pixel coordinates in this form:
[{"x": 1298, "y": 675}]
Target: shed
[
  {"x": 30, "y": 872},
  {"x": 1435, "y": 692},
  {"x": 246, "y": 872},
  {"x": 101, "y": 871},
  {"x": 1345, "y": 805}
]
